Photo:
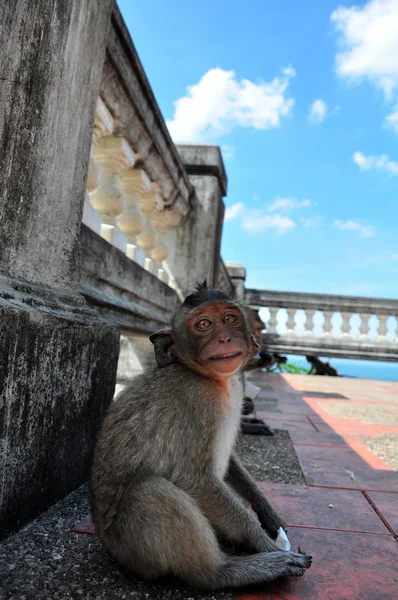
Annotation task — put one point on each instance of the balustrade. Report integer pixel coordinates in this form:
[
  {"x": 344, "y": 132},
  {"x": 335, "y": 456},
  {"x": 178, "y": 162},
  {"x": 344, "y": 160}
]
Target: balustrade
[
  {"x": 288, "y": 328},
  {"x": 122, "y": 204}
]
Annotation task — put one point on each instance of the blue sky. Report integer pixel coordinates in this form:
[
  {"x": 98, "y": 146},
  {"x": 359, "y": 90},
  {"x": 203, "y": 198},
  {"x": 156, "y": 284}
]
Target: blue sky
[{"x": 312, "y": 200}]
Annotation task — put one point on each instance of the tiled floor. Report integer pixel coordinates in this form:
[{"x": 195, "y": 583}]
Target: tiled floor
[{"x": 347, "y": 514}]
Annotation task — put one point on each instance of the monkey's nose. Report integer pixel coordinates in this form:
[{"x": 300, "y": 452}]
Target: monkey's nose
[{"x": 224, "y": 339}]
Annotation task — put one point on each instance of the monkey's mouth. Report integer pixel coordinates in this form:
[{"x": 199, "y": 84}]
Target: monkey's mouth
[{"x": 225, "y": 356}]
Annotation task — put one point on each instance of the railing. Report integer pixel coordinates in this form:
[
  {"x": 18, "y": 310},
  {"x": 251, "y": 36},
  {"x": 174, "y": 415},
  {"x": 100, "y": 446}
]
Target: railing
[
  {"x": 137, "y": 188},
  {"x": 224, "y": 281},
  {"x": 328, "y": 325}
]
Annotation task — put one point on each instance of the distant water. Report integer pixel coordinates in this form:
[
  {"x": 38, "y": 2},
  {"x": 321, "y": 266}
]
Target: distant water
[{"x": 363, "y": 369}]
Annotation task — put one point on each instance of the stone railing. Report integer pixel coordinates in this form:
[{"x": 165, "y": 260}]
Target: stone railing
[
  {"x": 224, "y": 281},
  {"x": 328, "y": 325}
]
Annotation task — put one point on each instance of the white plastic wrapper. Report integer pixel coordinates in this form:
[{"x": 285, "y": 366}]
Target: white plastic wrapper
[
  {"x": 282, "y": 540},
  {"x": 251, "y": 390}
]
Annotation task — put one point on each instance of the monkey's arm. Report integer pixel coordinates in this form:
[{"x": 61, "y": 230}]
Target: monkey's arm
[
  {"x": 243, "y": 483},
  {"x": 229, "y": 516}
]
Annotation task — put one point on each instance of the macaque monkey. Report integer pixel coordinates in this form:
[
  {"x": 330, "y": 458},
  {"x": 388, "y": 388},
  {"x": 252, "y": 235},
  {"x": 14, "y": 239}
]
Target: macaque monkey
[{"x": 166, "y": 486}]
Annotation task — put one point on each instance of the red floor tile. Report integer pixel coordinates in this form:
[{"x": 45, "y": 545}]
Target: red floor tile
[
  {"x": 346, "y": 566},
  {"x": 86, "y": 525},
  {"x": 317, "y": 438},
  {"x": 387, "y": 504},
  {"x": 342, "y": 467},
  {"x": 307, "y": 506},
  {"x": 287, "y": 425},
  {"x": 285, "y": 416}
]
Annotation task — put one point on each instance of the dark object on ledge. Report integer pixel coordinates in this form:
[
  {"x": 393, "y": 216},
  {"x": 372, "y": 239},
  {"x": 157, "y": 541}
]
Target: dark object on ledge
[
  {"x": 255, "y": 426},
  {"x": 321, "y": 368},
  {"x": 248, "y": 406}
]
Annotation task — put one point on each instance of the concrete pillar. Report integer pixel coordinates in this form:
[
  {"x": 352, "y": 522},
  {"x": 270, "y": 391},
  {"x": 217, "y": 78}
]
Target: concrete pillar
[
  {"x": 237, "y": 274},
  {"x": 199, "y": 239},
  {"x": 57, "y": 356}
]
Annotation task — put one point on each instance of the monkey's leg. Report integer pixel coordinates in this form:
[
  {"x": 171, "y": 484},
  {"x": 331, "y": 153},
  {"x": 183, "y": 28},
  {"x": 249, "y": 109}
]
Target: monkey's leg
[
  {"x": 160, "y": 530},
  {"x": 243, "y": 483},
  {"x": 258, "y": 568}
]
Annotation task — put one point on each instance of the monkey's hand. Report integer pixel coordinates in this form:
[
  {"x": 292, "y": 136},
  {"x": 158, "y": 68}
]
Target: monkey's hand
[{"x": 269, "y": 519}]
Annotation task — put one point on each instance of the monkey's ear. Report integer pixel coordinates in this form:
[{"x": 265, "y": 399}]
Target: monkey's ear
[
  {"x": 256, "y": 346},
  {"x": 163, "y": 341}
]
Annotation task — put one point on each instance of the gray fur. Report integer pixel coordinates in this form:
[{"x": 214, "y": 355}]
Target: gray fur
[{"x": 158, "y": 506}]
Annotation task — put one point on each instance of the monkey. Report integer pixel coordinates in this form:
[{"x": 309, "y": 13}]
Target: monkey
[
  {"x": 166, "y": 485},
  {"x": 321, "y": 368}
]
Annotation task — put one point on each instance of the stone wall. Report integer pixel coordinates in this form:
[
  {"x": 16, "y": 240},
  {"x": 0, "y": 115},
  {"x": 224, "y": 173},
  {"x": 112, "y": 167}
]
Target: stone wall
[{"x": 58, "y": 356}]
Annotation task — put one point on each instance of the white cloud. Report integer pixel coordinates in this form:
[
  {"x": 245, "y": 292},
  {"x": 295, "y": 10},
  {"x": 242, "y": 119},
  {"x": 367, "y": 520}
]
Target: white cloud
[
  {"x": 317, "y": 112},
  {"x": 392, "y": 119},
  {"x": 255, "y": 221},
  {"x": 363, "y": 231},
  {"x": 287, "y": 204},
  {"x": 228, "y": 151},
  {"x": 219, "y": 102},
  {"x": 380, "y": 163},
  {"x": 369, "y": 43},
  {"x": 289, "y": 71},
  {"x": 312, "y": 222},
  {"x": 231, "y": 212}
]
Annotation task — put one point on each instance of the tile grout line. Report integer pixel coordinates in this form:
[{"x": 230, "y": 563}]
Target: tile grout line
[
  {"x": 380, "y": 515},
  {"x": 336, "y": 529},
  {"x": 313, "y": 424},
  {"x": 350, "y": 489}
]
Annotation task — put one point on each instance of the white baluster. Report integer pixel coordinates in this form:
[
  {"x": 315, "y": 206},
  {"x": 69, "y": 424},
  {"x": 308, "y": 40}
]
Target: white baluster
[
  {"x": 382, "y": 329},
  {"x": 395, "y": 330},
  {"x": 345, "y": 326},
  {"x": 309, "y": 315},
  {"x": 113, "y": 154},
  {"x": 91, "y": 217},
  {"x": 160, "y": 252},
  {"x": 364, "y": 328},
  {"x": 291, "y": 323},
  {"x": 133, "y": 183},
  {"x": 150, "y": 202},
  {"x": 273, "y": 320},
  {"x": 327, "y": 326}
]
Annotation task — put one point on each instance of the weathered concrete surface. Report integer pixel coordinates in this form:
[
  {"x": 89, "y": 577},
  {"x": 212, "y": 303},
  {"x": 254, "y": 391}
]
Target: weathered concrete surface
[
  {"x": 333, "y": 348},
  {"x": 57, "y": 376},
  {"x": 57, "y": 355},
  {"x": 52, "y": 55},
  {"x": 198, "y": 241},
  {"x": 128, "y": 94},
  {"x": 126, "y": 294},
  {"x": 237, "y": 274}
]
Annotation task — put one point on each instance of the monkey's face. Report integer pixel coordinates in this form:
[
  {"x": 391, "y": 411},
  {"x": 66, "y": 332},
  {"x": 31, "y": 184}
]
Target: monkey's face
[{"x": 218, "y": 338}]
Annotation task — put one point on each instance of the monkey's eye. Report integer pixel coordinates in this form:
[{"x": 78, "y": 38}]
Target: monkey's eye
[
  {"x": 203, "y": 324},
  {"x": 230, "y": 318}
]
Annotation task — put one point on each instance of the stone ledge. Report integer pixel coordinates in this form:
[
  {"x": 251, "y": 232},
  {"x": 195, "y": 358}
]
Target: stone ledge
[
  {"x": 204, "y": 160},
  {"x": 127, "y": 94},
  {"x": 331, "y": 348},
  {"x": 125, "y": 294}
]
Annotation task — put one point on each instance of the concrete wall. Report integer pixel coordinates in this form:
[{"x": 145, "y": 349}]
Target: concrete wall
[
  {"x": 198, "y": 241},
  {"x": 58, "y": 356}
]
